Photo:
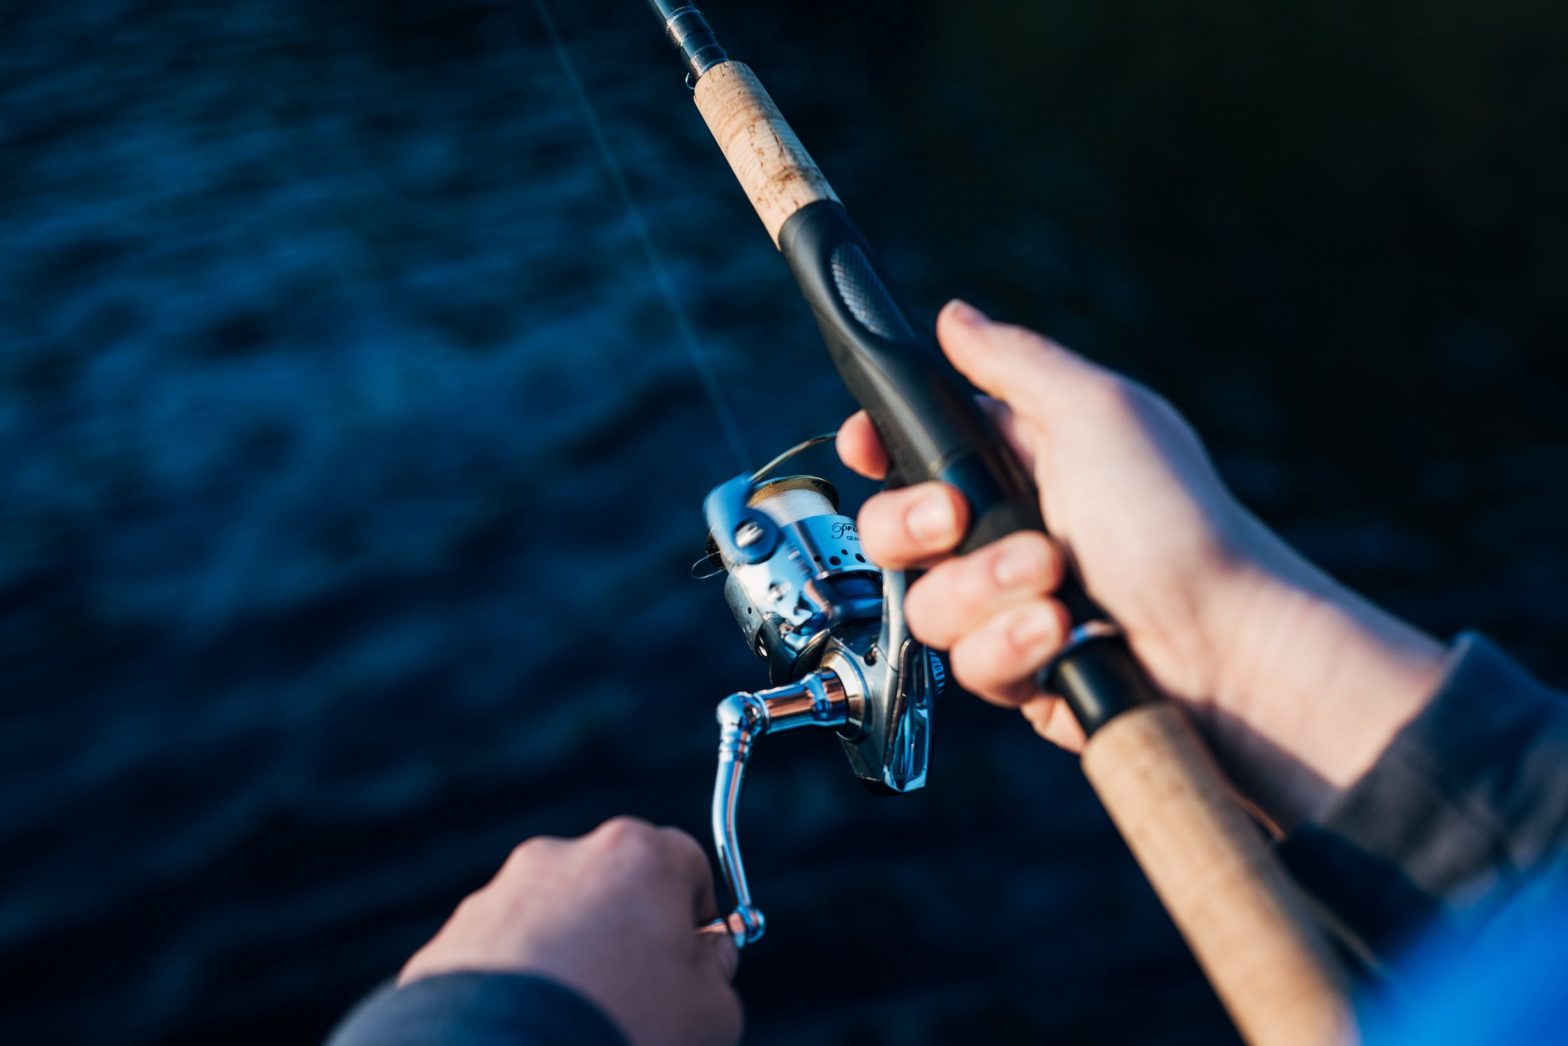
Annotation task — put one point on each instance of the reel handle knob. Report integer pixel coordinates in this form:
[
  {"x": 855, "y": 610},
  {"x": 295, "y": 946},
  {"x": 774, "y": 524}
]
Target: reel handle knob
[{"x": 744, "y": 925}]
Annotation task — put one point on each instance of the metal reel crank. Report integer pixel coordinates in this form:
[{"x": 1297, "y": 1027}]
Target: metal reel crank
[{"x": 830, "y": 626}]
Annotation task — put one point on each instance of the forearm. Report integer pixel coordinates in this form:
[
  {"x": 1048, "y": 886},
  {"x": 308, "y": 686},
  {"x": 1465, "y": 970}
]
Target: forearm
[
  {"x": 1318, "y": 683},
  {"x": 1468, "y": 802}
]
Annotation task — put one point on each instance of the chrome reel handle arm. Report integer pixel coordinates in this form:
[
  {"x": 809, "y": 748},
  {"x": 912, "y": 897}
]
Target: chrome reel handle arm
[
  {"x": 742, "y": 719},
  {"x": 819, "y": 699}
]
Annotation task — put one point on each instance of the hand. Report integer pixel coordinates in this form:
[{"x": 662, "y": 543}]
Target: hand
[
  {"x": 613, "y": 915},
  {"x": 1298, "y": 683}
]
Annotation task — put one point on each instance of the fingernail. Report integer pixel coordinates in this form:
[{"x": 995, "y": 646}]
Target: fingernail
[
  {"x": 1015, "y": 567},
  {"x": 1033, "y": 628},
  {"x": 964, "y": 313},
  {"x": 931, "y": 518}
]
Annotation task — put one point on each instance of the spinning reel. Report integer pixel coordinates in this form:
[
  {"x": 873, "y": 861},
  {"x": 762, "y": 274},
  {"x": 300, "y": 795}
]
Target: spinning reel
[{"x": 830, "y": 626}]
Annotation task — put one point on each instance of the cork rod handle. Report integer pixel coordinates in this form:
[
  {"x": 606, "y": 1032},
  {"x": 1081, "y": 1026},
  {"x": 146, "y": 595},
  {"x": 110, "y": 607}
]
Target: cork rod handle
[
  {"x": 1240, "y": 914},
  {"x": 779, "y": 176}
]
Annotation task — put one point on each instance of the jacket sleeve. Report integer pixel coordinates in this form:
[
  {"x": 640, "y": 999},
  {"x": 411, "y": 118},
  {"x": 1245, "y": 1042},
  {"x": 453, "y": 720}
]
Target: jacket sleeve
[
  {"x": 1463, "y": 808},
  {"x": 477, "y": 1009}
]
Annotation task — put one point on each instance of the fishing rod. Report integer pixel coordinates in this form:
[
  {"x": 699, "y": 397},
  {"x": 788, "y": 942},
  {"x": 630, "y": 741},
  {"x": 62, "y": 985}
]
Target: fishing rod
[{"x": 830, "y": 625}]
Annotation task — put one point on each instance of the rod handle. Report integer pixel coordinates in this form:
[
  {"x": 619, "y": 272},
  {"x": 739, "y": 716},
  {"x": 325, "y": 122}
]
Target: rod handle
[
  {"x": 1243, "y": 918},
  {"x": 779, "y": 176},
  {"x": 924, "y": 412}
]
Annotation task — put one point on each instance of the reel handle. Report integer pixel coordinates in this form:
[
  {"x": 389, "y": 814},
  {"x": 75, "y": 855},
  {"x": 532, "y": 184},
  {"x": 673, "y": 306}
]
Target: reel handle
[{"x": 817, "y": 700}]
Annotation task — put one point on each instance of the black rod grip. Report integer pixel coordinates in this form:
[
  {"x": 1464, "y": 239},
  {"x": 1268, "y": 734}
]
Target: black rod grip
[
  {"x": 1099, "y": 679},
  {"x": 933, "y": 429}
]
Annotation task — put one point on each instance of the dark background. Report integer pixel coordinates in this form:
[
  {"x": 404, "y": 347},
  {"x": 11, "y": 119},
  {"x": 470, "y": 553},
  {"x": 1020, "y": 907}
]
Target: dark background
[{"x": 352, "y": 464}]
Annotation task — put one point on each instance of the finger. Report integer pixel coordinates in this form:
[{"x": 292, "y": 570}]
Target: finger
[
  {"x": 1053, "y": 721},
  {"x": 913, "y": 525},
  {"x": 719, "y": 950},
  {"x": 999, "y": 662},
  {"x": 959, "y": 596},
  {"x": 686, "y": 857},
  {"x": 860, "y": 448},
  {"x": 720, "y": 1016},
  {"x": 1033, "y": 374}
]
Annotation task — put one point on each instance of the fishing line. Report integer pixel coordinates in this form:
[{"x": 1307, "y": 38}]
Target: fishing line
[{"x": 661, "y": 273}]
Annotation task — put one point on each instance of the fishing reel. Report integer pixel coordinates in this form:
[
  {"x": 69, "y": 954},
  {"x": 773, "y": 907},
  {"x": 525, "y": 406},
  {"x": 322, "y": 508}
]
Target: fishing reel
[{"x": 830, "y": 626}]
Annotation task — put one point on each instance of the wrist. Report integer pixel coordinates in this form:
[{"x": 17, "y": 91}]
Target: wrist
[{"x": 1312, "y": 681}]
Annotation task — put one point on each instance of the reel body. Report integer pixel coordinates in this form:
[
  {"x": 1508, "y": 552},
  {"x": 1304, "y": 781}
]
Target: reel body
[{"x": 829, "y": 625}]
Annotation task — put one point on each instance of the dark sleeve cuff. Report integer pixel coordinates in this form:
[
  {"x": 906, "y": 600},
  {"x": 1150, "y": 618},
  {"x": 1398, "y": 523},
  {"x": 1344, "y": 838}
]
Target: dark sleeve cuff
[
  {"x": 1467, "y": 801},
  {"x": 477, "y": 1009}
]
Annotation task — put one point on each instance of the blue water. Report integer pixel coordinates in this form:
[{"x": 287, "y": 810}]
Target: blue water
[{"x": 352, "y": 463}]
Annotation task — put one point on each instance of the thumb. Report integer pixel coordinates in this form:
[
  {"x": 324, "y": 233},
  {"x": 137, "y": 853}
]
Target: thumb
[{"x": 1030, "y": 373}]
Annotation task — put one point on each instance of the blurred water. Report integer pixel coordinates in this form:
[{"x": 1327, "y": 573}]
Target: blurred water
[{"x": 352, "y": 465}]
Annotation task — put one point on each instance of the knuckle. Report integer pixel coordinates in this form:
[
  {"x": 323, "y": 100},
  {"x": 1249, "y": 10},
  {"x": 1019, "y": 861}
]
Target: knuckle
[
  {"x": 680, "y": 844},
  {"x": 631, "y": 834},
  {"x": 481, "y": 906},
  {"x": 468, "y": 907},
  {"x": 526, "y": 851}
]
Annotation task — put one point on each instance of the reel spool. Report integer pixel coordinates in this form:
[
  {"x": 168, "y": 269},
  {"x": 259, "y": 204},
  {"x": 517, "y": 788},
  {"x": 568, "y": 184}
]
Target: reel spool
[{"x": 815, "y": 578}]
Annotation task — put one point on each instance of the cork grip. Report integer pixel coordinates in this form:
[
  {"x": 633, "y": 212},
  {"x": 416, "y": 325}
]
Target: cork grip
[
  {"x": 779, "y": 176},
  {"x": 1243, "y": 919}
]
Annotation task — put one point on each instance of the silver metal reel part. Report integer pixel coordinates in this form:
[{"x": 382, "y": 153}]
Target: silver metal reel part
[{"x": 829, "y": 624}]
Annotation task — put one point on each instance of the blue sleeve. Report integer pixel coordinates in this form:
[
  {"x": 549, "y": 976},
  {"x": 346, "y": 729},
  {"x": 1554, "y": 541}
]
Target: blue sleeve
[
  {"x": 477, "y": 1009},
  {"x": 1468, "y": 804}
]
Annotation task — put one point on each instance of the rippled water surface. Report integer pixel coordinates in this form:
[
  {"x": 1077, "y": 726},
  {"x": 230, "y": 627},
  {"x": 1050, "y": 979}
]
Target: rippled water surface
[{"x": 352, "y": 462}]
